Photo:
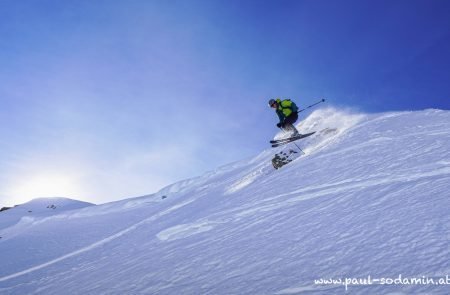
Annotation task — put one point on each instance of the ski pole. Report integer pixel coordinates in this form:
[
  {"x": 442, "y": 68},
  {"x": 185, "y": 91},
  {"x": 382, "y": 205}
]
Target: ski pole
[
  {"x": 294, "y": 142},
  {"x": 322, "y": 100}
]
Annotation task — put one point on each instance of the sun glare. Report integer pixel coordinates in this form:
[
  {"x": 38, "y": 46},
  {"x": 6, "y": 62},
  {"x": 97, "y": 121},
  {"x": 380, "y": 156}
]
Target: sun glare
[{"x": 43, "y": 186}]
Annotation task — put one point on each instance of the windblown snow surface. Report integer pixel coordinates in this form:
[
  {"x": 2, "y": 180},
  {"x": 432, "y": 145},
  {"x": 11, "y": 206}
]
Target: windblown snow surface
[{"x": 369, "y": 200}]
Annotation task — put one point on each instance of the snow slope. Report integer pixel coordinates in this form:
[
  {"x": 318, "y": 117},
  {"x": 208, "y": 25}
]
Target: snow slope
[
  {"x": 371, "y": 197},
  {"x": 38, "y": 208}
]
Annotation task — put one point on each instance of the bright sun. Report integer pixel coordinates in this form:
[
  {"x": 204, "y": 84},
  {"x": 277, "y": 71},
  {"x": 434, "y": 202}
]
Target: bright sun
[{"x": 42, "y": 186}]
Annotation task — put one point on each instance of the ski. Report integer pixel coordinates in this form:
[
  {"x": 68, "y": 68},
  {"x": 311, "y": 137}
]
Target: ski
[
  {"x": 292, "y": 138},
  {"x": 288, "y": 140},
  {"x": 285, "y": 139}
]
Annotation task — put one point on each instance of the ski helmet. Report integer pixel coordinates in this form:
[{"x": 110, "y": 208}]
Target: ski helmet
[{"x": 271, "y": 102}]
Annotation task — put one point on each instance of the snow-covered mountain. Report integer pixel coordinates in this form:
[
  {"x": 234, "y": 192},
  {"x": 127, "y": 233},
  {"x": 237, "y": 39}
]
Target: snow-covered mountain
[
  {"x": 38, "y": 209},
  {"x": 369, "y": 198}
]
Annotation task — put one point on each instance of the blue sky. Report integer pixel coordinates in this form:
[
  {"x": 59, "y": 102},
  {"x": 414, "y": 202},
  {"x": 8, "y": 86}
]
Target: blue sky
[{"x": 102, "y": 100}]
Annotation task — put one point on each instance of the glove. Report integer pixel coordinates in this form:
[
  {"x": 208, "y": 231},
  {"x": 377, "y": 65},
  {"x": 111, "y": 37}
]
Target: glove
[{"x": 279, "y": 125}]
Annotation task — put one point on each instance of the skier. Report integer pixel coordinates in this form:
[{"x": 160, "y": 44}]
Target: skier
[{"x": 287, "y": 113}]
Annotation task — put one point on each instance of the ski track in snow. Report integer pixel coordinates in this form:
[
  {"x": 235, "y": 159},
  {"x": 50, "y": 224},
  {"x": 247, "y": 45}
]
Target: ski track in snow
[
  {"x": 96, "y": 244},
  {"x": 274, "y": 203}
]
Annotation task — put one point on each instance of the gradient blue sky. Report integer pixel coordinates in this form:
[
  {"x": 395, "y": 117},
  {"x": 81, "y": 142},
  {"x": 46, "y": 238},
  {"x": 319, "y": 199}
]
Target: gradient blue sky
[{"x": 102, "y": 100}]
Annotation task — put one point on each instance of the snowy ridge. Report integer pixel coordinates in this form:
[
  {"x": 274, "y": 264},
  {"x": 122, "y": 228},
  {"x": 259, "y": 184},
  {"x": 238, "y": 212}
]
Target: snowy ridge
[
  {"x": 369, "y": 198},
  {"x": 38, "y": 209}
]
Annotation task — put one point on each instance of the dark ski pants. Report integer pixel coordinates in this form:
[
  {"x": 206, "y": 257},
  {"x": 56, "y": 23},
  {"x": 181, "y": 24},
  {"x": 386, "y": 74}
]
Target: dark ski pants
[{"x": 288, "y": 124}]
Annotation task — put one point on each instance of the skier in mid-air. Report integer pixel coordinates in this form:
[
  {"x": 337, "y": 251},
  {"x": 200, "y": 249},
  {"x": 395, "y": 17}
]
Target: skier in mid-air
[{"x": 287, "y": 112}]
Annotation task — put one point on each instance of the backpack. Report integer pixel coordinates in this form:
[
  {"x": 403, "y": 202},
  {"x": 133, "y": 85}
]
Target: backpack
[{"x": 293, "y": 107}]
